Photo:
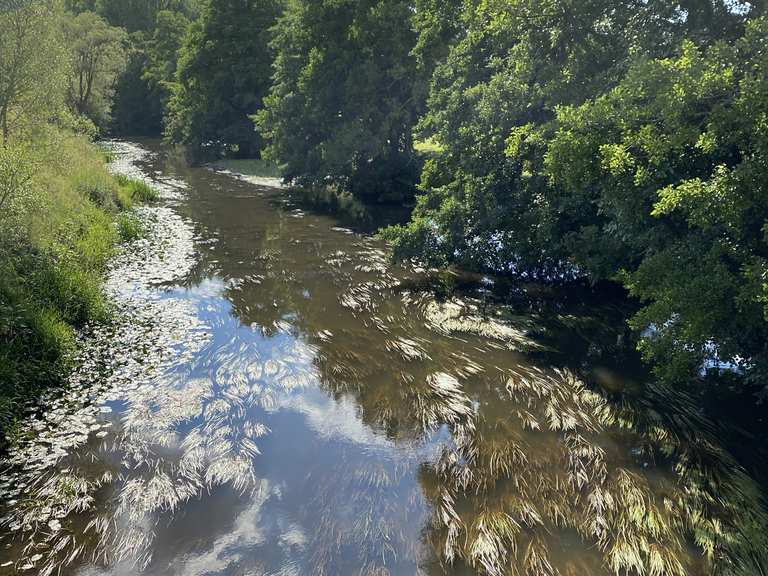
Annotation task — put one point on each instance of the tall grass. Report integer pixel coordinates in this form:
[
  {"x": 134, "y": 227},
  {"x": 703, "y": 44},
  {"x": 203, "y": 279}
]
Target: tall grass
[
  {"x": 131, "y": 191},
  {"x": 56, "y": 236}
]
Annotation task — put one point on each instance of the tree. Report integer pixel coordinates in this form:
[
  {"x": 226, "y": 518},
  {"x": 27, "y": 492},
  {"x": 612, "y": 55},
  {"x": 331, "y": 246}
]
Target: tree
[
  {"x": 32, "y": 62},
  {"x": 223, "y": 74},
  {"x": 133, "y": 15},
  {"x": 578, "y": 140},
  {"x": 347, "y": 92},
  {"x": 99, "y": 56},
  {"x": 155, "y": 28},
  {"x": 162, "y": 51},
  {"x": 674, "y": 163},
  {"x": 145, "y": 87},
  {"x": 137, "y": 108}
]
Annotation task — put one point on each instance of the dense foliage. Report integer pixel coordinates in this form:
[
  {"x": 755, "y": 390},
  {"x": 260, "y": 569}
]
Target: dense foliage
[
  {"x": 616, "y": 140},
  {"x": 223, "y": 74},
  {"x": 155, "y": 31},
  {"x": 345, "y": 97},
  {"x": 674, "y": 163},
  {"x": 32, "y": 65},
  {"x": 144, "y": 89},
  {"x": 133, "y": 15},
  {"x": 98, "y": 59}
]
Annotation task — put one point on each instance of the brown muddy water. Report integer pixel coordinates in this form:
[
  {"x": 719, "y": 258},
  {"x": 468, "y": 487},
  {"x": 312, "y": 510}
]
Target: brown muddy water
[{"x": 275, "y": 398}]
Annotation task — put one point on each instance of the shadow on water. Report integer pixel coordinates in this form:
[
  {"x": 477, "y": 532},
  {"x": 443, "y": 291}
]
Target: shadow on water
[
  {"x": 280, "y": 399},
  {"x": 344, "y": 208}
]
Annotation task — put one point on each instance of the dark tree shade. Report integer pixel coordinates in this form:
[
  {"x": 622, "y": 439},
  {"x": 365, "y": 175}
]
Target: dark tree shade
[
  {"x": 347, "y": 91},
  {"x": 223, "y": 74}
]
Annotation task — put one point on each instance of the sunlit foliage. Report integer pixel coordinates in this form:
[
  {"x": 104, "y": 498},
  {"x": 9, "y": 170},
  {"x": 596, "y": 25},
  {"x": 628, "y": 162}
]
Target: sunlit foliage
[
  {"x": 33, "y": 61},
  {"x": 675, "y": 169},
  {"x": 98, "y": 58},
  {"x": 613, "y": 140}
]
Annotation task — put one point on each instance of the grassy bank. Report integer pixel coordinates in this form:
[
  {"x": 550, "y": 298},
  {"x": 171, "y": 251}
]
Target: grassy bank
[{"x": 61, "y": 217}]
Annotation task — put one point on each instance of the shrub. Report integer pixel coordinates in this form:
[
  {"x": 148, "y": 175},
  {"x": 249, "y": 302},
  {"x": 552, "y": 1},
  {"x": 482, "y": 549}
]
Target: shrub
[
  {"x": 132, "y": 190},
  {"x": 142, "y": 192}
]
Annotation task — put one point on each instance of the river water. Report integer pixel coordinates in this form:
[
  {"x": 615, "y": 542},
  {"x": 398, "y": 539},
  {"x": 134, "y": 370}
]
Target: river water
[{"x": 276, "y": 398}]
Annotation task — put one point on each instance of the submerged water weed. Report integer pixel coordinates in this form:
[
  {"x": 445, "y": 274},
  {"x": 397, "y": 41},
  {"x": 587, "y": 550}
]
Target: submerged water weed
[
  {"x": 503, "y": 504},
  {"x": 363, "y": 297},
  {"x": 382, "y": 534},
  {"x": 457, "y": 316},
  {"x": 723, "y": 509},
  {"x": 178, "y": 436},
  {"x": 551, "y": 461}
]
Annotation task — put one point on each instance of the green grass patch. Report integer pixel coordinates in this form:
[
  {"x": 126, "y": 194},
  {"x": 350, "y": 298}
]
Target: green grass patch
[
  {"x": 129, "y": 227},
  {"x": 132, "y": 191},
  {"x": 58, "y": 235}
]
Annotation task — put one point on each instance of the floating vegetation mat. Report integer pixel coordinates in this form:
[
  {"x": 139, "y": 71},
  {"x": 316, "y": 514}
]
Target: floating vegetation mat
[{"x": 506, "y": 499}]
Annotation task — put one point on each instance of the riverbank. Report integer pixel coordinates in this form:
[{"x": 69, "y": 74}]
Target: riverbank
[{"x": 62, "y": 217}]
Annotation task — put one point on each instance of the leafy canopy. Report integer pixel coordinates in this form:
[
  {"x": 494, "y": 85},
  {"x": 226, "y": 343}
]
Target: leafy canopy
[
  {"x": 98, "y": 58},
  {"x": 222, "y": 76},
  {"x": 614, "y": 140},
  {"x": 33, "y": 63},
  {"x": 674, "y": 162},
  {"x": 346, "y": 93}
]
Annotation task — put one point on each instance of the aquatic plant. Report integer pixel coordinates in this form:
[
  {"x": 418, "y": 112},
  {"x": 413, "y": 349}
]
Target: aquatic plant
[
  {"x": 437, "y": 445},
  {"x": 504, "y": 503},
  {"x": 129, "y": 227}
]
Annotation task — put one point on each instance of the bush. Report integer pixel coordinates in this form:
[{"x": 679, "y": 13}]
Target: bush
[
  {"x": 77, "y": 123},
  {"x": 143, "y": 193}
]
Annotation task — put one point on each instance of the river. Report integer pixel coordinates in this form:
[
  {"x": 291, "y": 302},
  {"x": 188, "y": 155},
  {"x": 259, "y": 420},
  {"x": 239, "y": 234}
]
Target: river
[{"x": 276, "y": 398}]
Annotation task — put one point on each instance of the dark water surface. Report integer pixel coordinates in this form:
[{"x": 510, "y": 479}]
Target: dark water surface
[{"x": 278, "y": 399}]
